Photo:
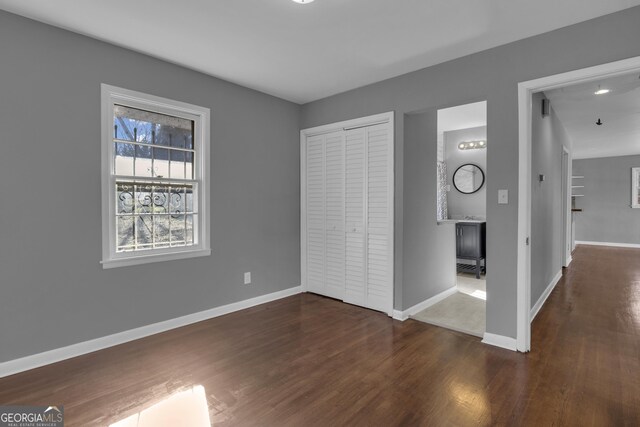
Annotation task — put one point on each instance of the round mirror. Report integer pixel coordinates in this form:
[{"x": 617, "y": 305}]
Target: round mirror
[{"x": 468, "y": 178}]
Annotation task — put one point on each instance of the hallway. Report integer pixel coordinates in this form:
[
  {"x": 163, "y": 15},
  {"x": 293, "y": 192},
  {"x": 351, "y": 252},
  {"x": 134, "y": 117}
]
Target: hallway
[
  {"x": 310, "y": 360},
  {"x": 586, "y": 342}
]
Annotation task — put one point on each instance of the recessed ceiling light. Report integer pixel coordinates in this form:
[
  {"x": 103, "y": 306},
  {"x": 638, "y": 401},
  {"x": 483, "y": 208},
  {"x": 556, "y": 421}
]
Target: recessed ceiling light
[
  {"x": 303, "y": 1},
  {"x": 601, "y": 91}
]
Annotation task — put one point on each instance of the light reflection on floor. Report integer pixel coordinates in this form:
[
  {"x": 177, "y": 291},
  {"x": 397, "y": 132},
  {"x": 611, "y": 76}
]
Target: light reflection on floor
[
  {"x": 186, "y": 408},
  {"x": 472, "y": 401},
  {"x": 479, "y": 294},
  {"x": 468, "y": 284}
]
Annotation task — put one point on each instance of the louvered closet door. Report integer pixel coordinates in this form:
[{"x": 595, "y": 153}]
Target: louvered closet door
[
  {"x": 325, "y": 214},
  {"x": 355, "y": 284},
  {"x": 315, "y": 235},
  {"x": 334, "y": 215},
  {"x": 369, "y": 200},
  {"x": 379, "y": 202},
  {"x": 349, "y": 215}
]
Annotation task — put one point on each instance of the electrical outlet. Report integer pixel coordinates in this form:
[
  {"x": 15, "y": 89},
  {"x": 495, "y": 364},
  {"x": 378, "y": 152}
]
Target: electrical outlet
[{"x": 247, "y": 278}]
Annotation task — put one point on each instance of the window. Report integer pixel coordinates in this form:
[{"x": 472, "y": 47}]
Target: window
[
  {"x": 635, "y": 187},
  {"x": 155, "y": 174}
]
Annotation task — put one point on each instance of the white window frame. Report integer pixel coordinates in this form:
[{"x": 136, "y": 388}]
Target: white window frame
[
  {"x": 635, "y": 172},
  {"x": 112, "y": 95}
]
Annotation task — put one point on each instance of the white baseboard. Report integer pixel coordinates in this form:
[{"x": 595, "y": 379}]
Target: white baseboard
[
  {"x": 619, "y": 245},
  {"x": 499, "y": 341},
  {"x": 404, "y": 315},
  {"x": 538, "y": 305},
  {"x": 30, "y": 362}
]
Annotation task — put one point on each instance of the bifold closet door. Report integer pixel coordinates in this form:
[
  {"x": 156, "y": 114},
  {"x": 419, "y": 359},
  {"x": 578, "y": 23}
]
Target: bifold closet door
[
  {"x": 334, "y": 215},
  {"x": 315, "y": 236},
  {"x": 325, "y": 214},
  {"x": 348, "y": 215},
  {"x": 368, "y": 217}
]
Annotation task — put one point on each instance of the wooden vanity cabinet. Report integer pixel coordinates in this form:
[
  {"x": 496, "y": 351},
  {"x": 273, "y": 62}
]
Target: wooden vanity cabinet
[{"x": 471, "y": 244}]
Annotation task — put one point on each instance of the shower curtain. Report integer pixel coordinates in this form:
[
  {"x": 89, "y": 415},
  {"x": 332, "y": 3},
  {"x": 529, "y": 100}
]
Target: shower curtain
[{"x": 442, "y": 191}]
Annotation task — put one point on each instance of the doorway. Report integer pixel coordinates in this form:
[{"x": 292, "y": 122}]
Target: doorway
[
  {"x": 526, "y": 92},
  {"x": 461, "y": 212}
]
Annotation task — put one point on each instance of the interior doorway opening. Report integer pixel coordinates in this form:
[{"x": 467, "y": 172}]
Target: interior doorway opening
[
  {"x": 529, "y": 177},
  {"x": 461, "y": 210}
]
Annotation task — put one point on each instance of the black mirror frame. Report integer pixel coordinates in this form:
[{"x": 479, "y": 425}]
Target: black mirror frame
[{"x": 453, "y": 178}]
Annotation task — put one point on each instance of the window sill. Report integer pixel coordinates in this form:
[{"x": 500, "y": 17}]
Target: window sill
[{"x": 147, "y": 259}]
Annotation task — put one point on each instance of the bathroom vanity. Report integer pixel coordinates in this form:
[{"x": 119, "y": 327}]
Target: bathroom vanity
[{"x": 471, "y": 244}]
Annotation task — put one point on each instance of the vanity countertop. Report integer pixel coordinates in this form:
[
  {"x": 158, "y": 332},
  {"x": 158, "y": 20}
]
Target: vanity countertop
[{"x": 455, "y": 221}]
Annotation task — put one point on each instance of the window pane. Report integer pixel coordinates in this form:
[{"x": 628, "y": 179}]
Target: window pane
[
  {"x": 152, "y": 216},
  {"x": 144, "y": 231},
  {"x": 133, "y": 124},
  {"x": 124, "y": 158},
  {"x": 189, "y": 230},
  {"x": 125, "y": 233},
  {"x": 189, "y": 200},
  {"x": 178, "y": 227},
  {"x": 177, "y": 164},
  {"x": 161, "y": 199},
  {"x": 143, "y": 161},
  {"x": 124, "y": 198},
  {"x": 143, "y": 199},
  {"x": 161, "y": 162},
  {"x": 188, "y": 165},
  {"x": 177, "y": 199},
  {"x": 161, "y": 231}
]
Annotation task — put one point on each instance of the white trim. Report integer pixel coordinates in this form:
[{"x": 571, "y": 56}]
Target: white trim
[
  {"x": 635, "y": 174},
  {"x": 536, "y": 308},
  {"x": 523, "y": 293},
  {"x": 347, "y": 124},
  {"x": 382, "y": 118},
  {"x": 111, "y": 95},
  {"x": 617, "y": 245},
  {"x": 404, "y": 315},
  {"x": 146, "y": 259},
  {"x": 566, "y": 207},
  {"x": 525, "y": 92},
  {"x": 499, "y": 341},
  {"x": 52, "y": 356}
]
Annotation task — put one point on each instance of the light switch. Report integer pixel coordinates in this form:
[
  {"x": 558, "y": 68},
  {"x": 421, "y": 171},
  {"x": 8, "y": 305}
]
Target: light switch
[
  {"x": 247, "y": 278},
  {"x": 503, "y": 197}
]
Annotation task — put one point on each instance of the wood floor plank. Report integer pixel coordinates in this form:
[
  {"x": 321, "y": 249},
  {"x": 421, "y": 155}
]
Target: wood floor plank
[{"x": 308, "y": 360}]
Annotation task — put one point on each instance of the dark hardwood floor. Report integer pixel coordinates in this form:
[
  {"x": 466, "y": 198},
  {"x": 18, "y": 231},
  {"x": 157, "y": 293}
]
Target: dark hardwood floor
[{"x": 308, "y": 360}]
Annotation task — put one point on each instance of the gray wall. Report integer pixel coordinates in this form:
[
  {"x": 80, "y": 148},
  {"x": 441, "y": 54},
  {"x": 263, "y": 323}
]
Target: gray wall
[
  {"x": 460, "y": 205},
  {"x": 53, "y": 289},
  {"x": 492, "y": 75},
  {"x": 426, "y": 273},
  {"x": 547, "y": 228},
  {"x": 607, "y": 215}
]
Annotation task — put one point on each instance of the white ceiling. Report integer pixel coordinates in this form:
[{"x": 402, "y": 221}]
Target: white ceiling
[
  {"x": 307, "y": 52},
  {"x": 578, "y": 108}
]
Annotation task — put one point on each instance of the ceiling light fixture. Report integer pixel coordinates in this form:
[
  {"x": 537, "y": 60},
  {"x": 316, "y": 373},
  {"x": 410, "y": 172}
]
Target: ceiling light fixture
[
  {"x": 471, "y": 145},
  {"x": 601, "y": 91},
  {"x": 303, "y": 1}
]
